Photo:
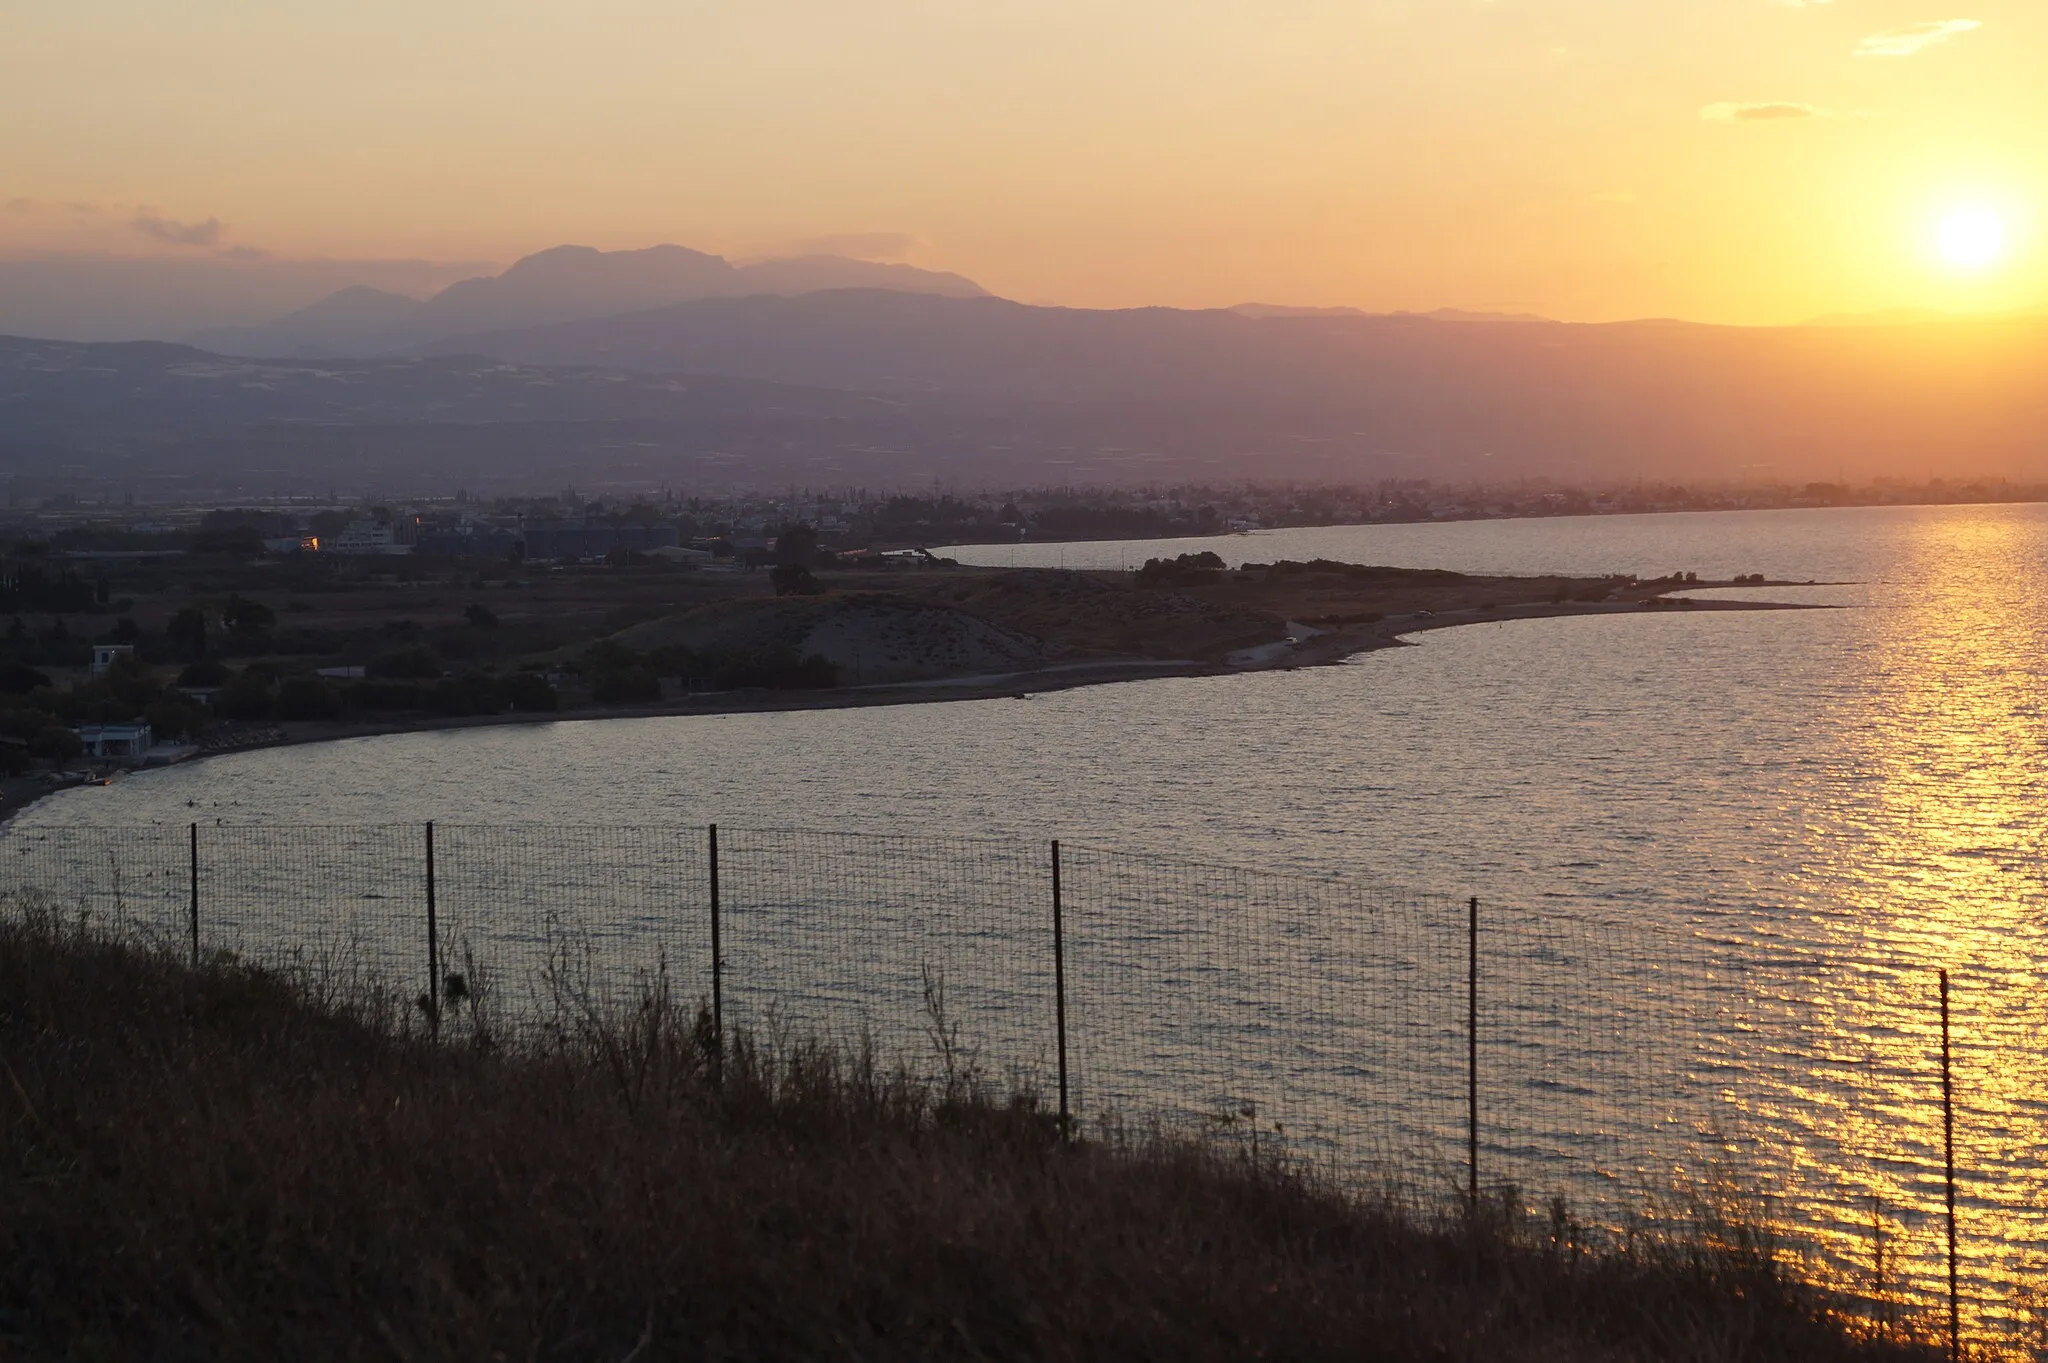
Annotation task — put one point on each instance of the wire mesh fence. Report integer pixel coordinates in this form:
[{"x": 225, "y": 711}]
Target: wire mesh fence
[{"x": 1575, "y": 1064}]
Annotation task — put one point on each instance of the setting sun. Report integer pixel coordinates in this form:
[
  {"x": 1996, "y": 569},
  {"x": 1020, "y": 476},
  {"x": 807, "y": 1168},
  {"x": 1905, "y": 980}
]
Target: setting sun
[{"x": 1971, "y": 238}]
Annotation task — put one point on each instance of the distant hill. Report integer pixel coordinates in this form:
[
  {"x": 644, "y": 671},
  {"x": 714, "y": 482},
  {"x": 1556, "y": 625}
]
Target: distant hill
[
  {"x": 565, "y": 283},
  {"x": 355, "y": 321},
  {"x": 815, "y": 273},
  {"x": 869, "y": 387},
  {"x": 1656, "y": 397},
  {"x": 164, "y": 298},
  {"x": 1437, "y": 315}
]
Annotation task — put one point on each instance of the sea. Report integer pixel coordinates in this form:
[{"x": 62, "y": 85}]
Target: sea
[{"x": 1785, "y": 824}]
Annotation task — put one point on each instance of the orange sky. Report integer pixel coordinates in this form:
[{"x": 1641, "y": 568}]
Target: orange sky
[{"x": 1583, "y": 158}]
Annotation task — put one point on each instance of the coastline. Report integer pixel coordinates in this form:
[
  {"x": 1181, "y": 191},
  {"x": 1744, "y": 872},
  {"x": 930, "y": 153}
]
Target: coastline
[{"x": 1321, "y": 649}]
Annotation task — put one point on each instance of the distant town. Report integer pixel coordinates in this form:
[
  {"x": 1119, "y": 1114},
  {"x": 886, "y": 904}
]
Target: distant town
[
  {"x": 736, "y": 528},
  {"x": 140, "y": 635}
]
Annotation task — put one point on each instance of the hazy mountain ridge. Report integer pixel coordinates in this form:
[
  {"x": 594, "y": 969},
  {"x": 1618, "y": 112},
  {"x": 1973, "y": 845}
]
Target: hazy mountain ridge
[
  {"x": 356, "y": 320},
  {"x": 886, "y": 387},
  {"x": 1653, "y": 395},
  {"x": 116, "y": 298},
  {"x": 128, "y": 392},
  {"x": 563, "y": 283},
  {"x": 1433, "y": 315}
]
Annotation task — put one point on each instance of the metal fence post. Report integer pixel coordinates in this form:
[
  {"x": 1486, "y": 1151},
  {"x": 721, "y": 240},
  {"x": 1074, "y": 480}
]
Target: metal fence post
[
  {"x": 717, "y": 969},
  {"x": 1948, "y": 1145},
  {"x": 433, "y": 942},
  {"x": 1472, "y": 1054},
  {"x": 1059, "y": 986},
  {"x": 194, "y": 830}
]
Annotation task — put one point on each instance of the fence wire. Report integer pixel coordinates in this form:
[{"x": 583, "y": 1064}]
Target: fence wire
[{"x": 1621, "y": 1073}]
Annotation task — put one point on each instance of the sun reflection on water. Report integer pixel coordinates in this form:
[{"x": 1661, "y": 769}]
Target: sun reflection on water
[{"x": 1930, "y": 858}]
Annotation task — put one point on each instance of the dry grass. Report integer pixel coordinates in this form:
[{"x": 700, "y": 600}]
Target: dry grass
[{"x": 213, "y": 1165}]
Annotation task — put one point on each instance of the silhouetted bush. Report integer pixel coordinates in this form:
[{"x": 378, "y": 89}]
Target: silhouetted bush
[
  {"x": 233, "y": 1163},
  {"x": 307, "y": 698},
  {"x": 795, "y": 579},
  {"x": 251, "y": 695},
  {"x": 410, "y": 663},
  {"x": 625, "y": 686},
  {"x": 472, "y": 693},
  {"x": 528, "y": 691},
  {"x": 18, "y": 679},
  {"x": 1187, "y": 570},
  {"x": 205, "y": 672},
  {"x": 383, "y": 695}
]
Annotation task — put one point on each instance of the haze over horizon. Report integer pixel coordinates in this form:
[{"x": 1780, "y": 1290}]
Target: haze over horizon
[{"x": 1762, "y": 162}]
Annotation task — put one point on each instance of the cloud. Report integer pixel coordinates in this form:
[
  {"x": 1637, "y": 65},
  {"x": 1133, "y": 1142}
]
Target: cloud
[
  {"x": 1777, "y": 111},
  {"x": 176, "y": 233},
  {"x": 858, "y": 245},
  {"x": 21, "y": 205},
  {"x": 243, "y": 253},
  {"x": 1904, "y": 42}
]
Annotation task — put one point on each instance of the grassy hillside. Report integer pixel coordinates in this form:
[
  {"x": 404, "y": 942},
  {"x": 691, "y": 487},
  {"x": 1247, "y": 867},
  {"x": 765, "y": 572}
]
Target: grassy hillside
[{"x": 231, "y": 1164}]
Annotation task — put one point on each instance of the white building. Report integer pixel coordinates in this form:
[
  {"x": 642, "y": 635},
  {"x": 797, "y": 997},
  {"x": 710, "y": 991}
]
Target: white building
[
  {"x": 104, "y": 656},
  {"x": 365, "y": 537},
  {"x": 116, "y": 740}
]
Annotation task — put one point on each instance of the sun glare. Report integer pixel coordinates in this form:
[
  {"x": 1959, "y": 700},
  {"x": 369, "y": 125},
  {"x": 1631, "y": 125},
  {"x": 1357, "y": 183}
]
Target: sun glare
[{"x": 1971, "y": 239}]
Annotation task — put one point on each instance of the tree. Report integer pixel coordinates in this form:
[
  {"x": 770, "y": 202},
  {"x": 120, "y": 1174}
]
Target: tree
[
  {"x": 55, "y": 743},
  {"x": 480, "y": 615},
  {"x": 241, "y": 614},
  {"x": 206, "y": 672},
  {"x": 176, "y": 718},
  {"x": 793, "y": 579},
  {"x": 797, "y": 546},
  {"x": 187, "y": 633},
  {"x": 248, "y": 696},
  {"x": 18, "y": 679},
  {"x": 625, "y": 686},
  {"x": 528, "y": 691},
  {"x": 307, "y": 698},
  {"x": 411, "y": 663}
]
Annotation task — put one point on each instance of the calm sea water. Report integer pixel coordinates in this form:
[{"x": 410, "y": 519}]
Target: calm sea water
[{"x": 1807, "y": 811}]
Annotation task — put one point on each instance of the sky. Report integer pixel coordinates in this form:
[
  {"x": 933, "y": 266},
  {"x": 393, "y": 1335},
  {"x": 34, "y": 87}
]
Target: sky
[{"x": 1739, "y": 161}]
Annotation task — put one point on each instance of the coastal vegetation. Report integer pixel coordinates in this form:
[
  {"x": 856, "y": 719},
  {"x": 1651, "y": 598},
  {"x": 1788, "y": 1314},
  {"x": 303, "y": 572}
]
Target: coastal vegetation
[
  {"x": 227, "y": 652},
  {"x": 228, "y": 1162}
]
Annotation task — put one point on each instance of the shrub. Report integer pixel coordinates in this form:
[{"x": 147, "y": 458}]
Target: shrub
[
  {"x": 18, "y": 679},
  {"x": 307, "y": 698},
  {"x": 412, "y": 663},
  {"x": 472, "y": 693},
  {"x": 528, "y": 691},
  {"x": 205, "y": 672},
  {"x": 383, "y": 695},
  {"x": 794, "y": 579},
  {"x": 625, "y": 686},
  {"x": 55, "y": 743},
  {"x": 249, "y": 696},
  {"x": 176, "y": 719}
]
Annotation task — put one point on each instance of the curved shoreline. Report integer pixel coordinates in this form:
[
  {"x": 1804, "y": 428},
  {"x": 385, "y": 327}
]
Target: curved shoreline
[{"x": 1318, "y": 650}]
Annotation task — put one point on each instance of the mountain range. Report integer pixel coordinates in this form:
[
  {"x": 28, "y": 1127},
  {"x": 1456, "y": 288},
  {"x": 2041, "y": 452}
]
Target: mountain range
[
  {"x": 566, "y": 283},
  {"x": 876, "y": 387},
  {"x": 1657, "y": 398},
  {"x": 576, "y": 364}
]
